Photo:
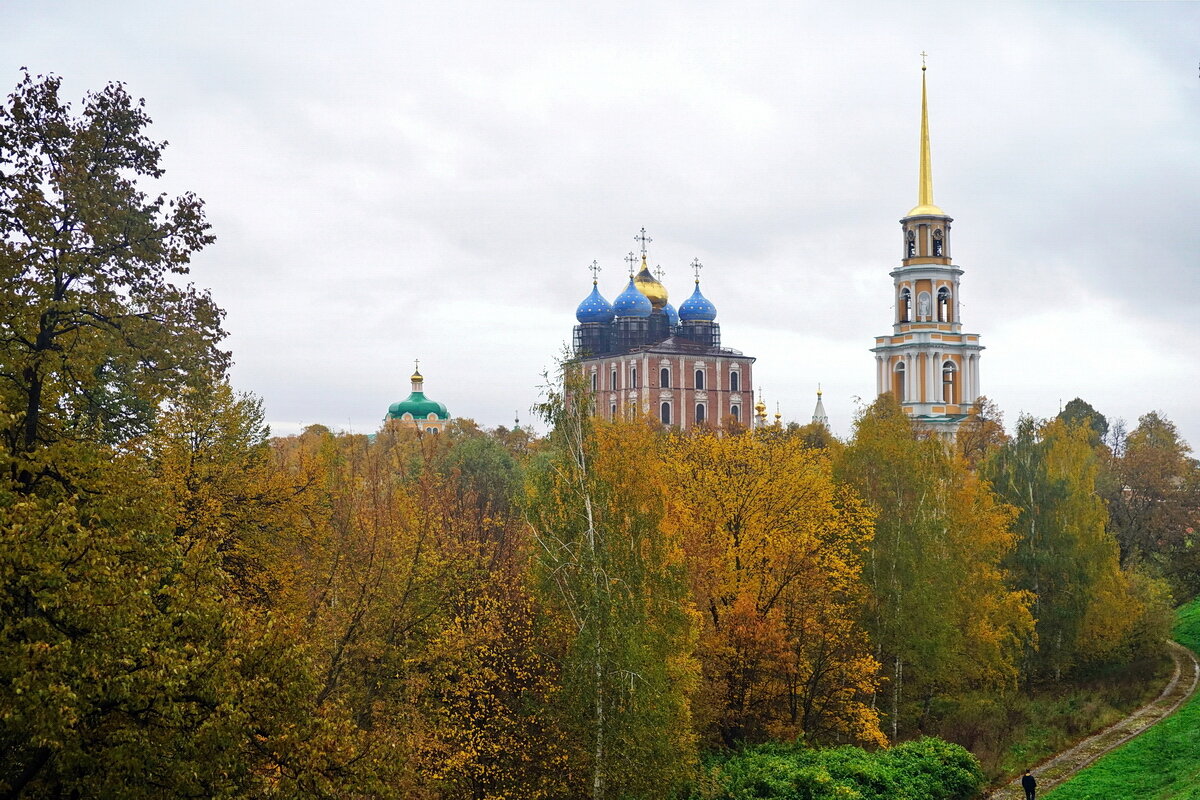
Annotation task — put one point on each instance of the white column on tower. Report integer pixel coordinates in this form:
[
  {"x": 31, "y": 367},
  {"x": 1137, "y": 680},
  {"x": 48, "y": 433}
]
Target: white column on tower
[
  {"x": 966, "y": 379},
  {"x": 931, "y": 383}
]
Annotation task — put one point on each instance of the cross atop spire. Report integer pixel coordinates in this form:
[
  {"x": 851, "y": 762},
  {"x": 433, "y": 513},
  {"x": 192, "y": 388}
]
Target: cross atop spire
[
  {"x": 696, "y": 267},
  {"x": 645, "y": 240},
  {"x": 659, "y": 272},
  {"x": 416, "y": 365},
  {"x": 595, "y": 268},
  {"x": 631, "y": 260},
  {"x": 923, "y": 56}
]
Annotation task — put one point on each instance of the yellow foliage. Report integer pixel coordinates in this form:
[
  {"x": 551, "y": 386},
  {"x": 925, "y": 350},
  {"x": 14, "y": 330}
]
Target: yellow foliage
[{"x": 774, "y": 555}]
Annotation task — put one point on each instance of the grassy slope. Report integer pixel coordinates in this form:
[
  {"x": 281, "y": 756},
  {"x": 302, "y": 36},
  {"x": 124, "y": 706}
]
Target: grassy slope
[{"x": 1161, "y": 764}]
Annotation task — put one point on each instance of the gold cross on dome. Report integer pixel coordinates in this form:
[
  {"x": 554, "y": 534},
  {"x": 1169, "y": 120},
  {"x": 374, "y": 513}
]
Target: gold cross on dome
[
  {"x": 696, "y": 267},
  {"x": 659, "y": 272},
  {"x": 595, "y": 268}
]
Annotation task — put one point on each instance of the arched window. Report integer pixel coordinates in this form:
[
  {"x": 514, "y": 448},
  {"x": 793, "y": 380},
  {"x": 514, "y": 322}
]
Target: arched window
[
  {"x": 701, "y": 413},
  {"x": 905, "y": 305},
  {"x": 735, "y": 411},
  {"x": 664, "y": 412},
  {"x": 898, "y": 382},
  {"x": 612, "y": 379},
  {"x": 949, "y": 382},
  {"x": 937, "y": 242},
  {"x": 699, "y": 379},
  {"x": 735, "y": 382},
  {"x": 431, "y": 430},
  {"x": 664, "y": 377},
  {"x": 633, "y": 384},
  {"x": 943, "y": 304},
  {"x": 910, "y": 245},
  {"x": 612, "y": 411},
  {"x": 594, "y": 376}
]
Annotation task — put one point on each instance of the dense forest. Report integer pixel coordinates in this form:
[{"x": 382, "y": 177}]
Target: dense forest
[{"x": 190, "y": 607}]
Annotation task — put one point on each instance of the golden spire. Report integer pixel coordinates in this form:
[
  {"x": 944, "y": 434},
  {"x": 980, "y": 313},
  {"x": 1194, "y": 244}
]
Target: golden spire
[{"x": 925, "y": 203}]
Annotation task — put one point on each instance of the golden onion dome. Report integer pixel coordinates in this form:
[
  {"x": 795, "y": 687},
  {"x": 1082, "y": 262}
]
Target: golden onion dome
[{"x": 650, "y": 286}]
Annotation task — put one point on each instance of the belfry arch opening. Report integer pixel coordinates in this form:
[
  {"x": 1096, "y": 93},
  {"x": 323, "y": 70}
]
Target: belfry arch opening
[
  {"x": 898, "y": 382},
  {"x": 944, "y": 309},
  {"x": 949, "y": 383},
  {"x": 904, "y": 305}
]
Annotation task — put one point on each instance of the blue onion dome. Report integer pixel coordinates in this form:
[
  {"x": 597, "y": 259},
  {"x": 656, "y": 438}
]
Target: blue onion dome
[
  {"x": 594, "y": 308},
  {"x": 672, "y": 314},
  {"x": 632, "y": 303},
  {"x": 697, "y": 308}
]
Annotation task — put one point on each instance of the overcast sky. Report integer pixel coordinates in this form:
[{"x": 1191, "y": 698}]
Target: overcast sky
[{"x": 389, "y": 181}]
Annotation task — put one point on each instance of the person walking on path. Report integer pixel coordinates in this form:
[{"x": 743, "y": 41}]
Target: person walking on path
[{"x": 1029, "y": 784}]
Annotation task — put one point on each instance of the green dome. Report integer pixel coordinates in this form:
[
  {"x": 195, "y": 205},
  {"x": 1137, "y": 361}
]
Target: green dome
[{"x": 419, "y": 406}]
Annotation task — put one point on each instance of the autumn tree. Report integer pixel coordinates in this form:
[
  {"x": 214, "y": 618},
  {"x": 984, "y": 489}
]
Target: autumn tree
[
  {"x": 1154, "y": 501},
  {"x": 612, "y": 579},
  {"x": 407, "y": 584},
  {"x": 774, "y": 554},
  {"x": 942, "y": 616},
  {"x": 1080, "y": 412},
  {"x": 97, "y": 332},
  {"x": 981, "y": 432},
  {"x": 1087, "y": 608}
]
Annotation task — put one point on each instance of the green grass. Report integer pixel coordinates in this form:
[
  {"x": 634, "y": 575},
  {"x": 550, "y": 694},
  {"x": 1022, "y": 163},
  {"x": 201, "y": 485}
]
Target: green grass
[{"x": 1161, "y": 764}]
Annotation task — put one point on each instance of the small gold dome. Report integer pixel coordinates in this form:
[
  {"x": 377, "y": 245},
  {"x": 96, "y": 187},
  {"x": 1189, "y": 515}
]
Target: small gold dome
[
  {"x": 649, "y": 285},
  {"x": 926, "y": 210}
]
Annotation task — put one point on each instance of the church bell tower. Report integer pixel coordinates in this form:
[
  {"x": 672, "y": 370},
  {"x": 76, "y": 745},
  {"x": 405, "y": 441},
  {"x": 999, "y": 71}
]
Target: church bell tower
[{"x": 928, "y": 362}]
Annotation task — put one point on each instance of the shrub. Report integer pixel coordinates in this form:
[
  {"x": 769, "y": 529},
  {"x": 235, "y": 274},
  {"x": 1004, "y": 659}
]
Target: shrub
[{"x": 925, "y": 769}]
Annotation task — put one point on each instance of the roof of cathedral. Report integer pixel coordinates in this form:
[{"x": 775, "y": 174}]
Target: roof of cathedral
[
  {"x": 594, "y": 307},
  {"x": 697, "y": 307},
  {"x": 632, "y": 303}
]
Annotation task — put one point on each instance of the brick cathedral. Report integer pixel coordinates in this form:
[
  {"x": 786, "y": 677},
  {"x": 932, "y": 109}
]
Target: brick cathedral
[{"x": 638, "y": 355}]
